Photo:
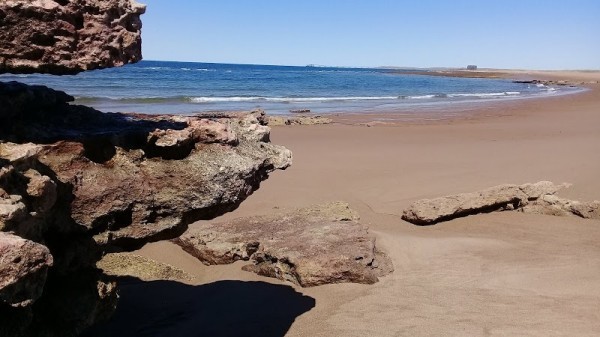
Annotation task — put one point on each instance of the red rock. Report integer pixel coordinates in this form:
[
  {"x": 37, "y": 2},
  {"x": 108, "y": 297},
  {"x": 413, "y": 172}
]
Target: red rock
[{"x": 66, "y": 37}]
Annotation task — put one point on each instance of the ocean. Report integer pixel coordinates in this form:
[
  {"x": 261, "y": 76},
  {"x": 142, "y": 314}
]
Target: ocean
[{"x": 187, "y": 88}]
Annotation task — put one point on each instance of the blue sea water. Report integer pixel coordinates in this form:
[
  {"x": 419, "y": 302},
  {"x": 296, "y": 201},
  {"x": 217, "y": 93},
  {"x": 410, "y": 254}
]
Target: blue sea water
[{"x": 185, "y": 87}]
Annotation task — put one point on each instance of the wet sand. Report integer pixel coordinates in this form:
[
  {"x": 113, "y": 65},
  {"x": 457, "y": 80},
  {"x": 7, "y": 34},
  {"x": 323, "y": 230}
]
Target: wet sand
[{"x": 497, "y": 274}]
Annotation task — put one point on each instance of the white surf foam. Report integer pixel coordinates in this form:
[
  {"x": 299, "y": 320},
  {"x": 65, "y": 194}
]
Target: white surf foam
[
  {"x": 421, "y": 97},
  {"x": 484, "y": 95},
  {"x": 288, "y": 99}
]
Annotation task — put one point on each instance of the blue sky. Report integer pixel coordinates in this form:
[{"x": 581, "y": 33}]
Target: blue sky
[{"x": 525, "y": 34}]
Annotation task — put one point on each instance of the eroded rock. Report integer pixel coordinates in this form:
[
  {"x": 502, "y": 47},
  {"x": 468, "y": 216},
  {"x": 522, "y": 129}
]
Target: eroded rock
[
  {"x": 66, "y": 37},
  {"x": 42, "y": 191},
  {"x": 528, "y": 198},
  {"x": 18, "y": 153},
  {"x": 12, "y": 209},
  {"x": 312, "y": 246},
  {"x": 84, "y": 182},
  {"x": 130, "y": 193},
  {"x": 554, "y": 205},
  {"x": 23, "y": 269}
]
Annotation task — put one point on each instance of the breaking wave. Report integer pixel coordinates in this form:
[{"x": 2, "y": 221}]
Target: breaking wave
[
  {"x": 258, "y": 99},
  {"x": 287, "y": 99}
]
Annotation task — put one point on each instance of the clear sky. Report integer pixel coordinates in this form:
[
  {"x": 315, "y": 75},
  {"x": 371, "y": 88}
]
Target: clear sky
[{"x": 527, "y": 34}]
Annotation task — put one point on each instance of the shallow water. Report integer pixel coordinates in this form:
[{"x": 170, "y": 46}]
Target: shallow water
[{"x": 184, "y": 87}]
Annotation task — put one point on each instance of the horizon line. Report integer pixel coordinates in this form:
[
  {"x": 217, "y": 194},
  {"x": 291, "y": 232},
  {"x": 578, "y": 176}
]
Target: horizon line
[{"x": 374, "y": 67}]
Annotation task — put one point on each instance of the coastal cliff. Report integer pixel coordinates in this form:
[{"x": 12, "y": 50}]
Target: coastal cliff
[{"x": 76, "y": 183}]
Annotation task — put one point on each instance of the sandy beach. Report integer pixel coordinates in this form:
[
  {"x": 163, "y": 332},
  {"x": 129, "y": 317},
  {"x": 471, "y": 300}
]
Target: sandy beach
[{"x": 497, "y": 274}]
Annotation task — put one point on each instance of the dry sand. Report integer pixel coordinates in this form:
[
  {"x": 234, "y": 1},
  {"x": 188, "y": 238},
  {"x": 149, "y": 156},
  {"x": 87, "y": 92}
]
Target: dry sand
[{"x": 499, "y": 274}]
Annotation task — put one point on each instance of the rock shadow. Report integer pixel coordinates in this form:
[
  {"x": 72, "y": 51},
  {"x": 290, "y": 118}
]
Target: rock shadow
[
  {"x": 38, "y": 114},
  {"x": 219, "y": 309}
]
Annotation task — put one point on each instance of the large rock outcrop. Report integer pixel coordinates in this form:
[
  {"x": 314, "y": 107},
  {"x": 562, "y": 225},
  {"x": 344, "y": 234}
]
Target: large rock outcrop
[
  {"x": 68, "y": 36},
  {"x": 537, "y": 198},
  {"x": 309, "y": 247},
  {"x": 128, "y": 178},
  {"x": 76, "y": 183},
  {"x": 82, "y": 182}
]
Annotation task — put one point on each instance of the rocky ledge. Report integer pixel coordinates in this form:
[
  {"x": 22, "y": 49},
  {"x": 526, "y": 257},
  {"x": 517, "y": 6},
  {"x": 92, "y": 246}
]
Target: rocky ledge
[
  {"x": 68, "y": 36},
  {"x": 309, "y": 247},
  {"x": 76, "y": 183},
  {"x": 536, "y": 198}
]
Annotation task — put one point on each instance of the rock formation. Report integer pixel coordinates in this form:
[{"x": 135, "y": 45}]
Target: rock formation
[
  {"x": 312, "y": 246},
  {"x": 553, "y": 205},
  {"x": 298, "y": 120},
  {"x": 529, "y": 198},
  {"x": 82, "y": 182},
  {"x": 68, "y": 36},
  {"x": 76, "y": 183}
]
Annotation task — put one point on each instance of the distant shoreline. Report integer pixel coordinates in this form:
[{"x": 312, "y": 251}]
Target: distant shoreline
[{"x": 572, "y": 76}]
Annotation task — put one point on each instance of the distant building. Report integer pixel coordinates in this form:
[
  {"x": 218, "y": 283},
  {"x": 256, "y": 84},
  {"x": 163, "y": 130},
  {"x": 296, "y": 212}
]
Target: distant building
[{"x": 471, "y": 67}]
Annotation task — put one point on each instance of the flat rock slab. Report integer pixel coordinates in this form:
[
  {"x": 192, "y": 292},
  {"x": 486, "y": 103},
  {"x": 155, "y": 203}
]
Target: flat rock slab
[
  {"x": 536, "y": 198},
  {"x": 309, "y": 247}
]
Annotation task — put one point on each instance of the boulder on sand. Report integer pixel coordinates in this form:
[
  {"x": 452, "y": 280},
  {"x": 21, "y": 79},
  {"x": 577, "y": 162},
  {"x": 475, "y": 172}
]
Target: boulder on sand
[
  {"x": 309, "y": 247},
  {"x": 529, "y": 198}
]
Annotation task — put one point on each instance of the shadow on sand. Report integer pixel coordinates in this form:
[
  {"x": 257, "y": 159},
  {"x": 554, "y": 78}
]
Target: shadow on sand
[{"x": 224, "y": 308}]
